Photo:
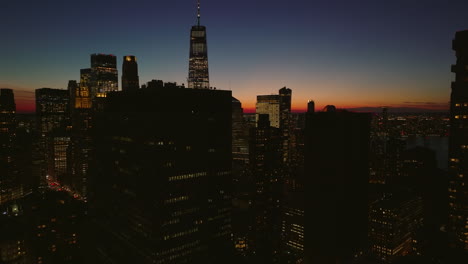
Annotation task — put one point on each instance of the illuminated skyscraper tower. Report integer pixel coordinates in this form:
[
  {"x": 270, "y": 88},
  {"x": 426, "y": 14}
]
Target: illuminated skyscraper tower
[
  {"x": 198, "y": 77},
  {"x": 130, "y": 80}
]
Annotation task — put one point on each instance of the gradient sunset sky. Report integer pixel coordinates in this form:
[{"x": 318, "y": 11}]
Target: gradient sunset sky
[{"x": 347, "y": 53}]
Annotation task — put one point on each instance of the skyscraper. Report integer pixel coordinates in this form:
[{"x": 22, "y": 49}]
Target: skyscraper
[
  {"x": 52, "y": 113},
  {"x": 80, "y": 148},
  {"x": 285, "y": 120},
  {"x": 198, "y": 77},
  {"x": 130, "y": 79},
  {"x": 161, "y": 193},
  {"x": 336, "y": 177},
  {"x": 104, "y": 76},
  {"x": 268, "y": 105},
  {"x": 278, "y": 108},
  {"x": 458, "y": 145},
  {"x": 10, "y": 188}
]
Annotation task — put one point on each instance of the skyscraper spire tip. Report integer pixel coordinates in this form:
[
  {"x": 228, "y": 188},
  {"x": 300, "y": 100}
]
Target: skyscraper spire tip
[{"x": 198, "y": 12}]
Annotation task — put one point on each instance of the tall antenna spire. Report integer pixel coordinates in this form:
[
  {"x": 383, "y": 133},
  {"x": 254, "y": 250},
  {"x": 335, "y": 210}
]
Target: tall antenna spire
[{"x": 198, "y": 14}]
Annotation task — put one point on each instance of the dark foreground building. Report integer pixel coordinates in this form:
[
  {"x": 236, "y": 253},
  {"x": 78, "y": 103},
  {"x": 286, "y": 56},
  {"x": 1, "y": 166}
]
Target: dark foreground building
[
  {"x": 161, "y": 191},
  {"x": 336, "y": 173},
  {"x": 458, "y": 146}
]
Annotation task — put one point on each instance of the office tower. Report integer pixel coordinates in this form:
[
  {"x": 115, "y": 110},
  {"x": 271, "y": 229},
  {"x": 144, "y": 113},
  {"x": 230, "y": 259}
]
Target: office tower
[
  {"x": 394, "y": 221},
  {"x": 162, "y": 176},
  {"x": 130, "y": 79},
  {"x": 72, "y": 87},
  {"x": 293, "y": 207},
  {"x": 311, "y": 107},
  {"x": 336, "y": 173},
  {"x": 104, "y": 75},
  {"x": 285, "y": 121},
  {"x": 10, "y": 187},
  {"x": 278, "y": 108},
  {"x": 268, "y": 105},
  {"x": 458, "y": 145},
  {"x": 80, "y": 140},
  {"x": 198, "y": 77},
  {"x": 52, "y": 117},
  {"x": 240, "y": 134},
  {"x": 266, "y": 168}
]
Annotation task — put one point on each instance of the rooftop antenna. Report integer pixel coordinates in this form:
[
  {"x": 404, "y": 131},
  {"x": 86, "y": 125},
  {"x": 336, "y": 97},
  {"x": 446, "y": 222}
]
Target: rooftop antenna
[{"x": 198, "y": 14}]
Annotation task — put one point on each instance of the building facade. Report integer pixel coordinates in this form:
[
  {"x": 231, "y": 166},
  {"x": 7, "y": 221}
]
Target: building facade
[
  {"x": 458, "y": 145},
  {"x": 163, "y": 176}
]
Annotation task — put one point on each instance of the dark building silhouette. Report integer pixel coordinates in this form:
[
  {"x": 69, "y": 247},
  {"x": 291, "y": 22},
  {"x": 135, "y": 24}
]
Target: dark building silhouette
[
  {"x": 336, "y": 174},
  {"x": 10, "y": 187},
  {"x": 52, "y": 118},
  {"x": 311, "y": 107},
  {"x": 130, "y": 79},
  {"x": 285, "y": 121},
  {"x": 162, "y": 176},
  {"x": 55, "y": 227},
  {"x": 458, "y": 145},
  {"x": 267, "y": 176},
  {"x": 198, "y": 77}
]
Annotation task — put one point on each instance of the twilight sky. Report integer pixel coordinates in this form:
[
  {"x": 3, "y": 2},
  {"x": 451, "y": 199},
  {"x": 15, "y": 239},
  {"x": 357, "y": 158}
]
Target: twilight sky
[{"x": 348, "y": 53}]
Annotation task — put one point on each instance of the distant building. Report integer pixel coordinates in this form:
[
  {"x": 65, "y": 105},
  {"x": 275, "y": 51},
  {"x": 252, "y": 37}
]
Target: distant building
[
  {"x": 198, "y": 76},
  {"x": 162, "y": 176},
  {"x": 104, "y": 77},
  {"x": 269, "y": 105},
  {"x": 130, "y": 79},
  {"x": 336, "y": 177},
  {"x": 458, "y": 145},
  {"x": 311, "y": 107}
]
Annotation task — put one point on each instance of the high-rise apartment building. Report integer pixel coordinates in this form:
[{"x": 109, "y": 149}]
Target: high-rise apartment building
[
  {"x": 163, "y": 176},
  {"x": 130, "y": 79},
  {"x": 198, "y": 77},
  {"x": 458, "y": 145}
]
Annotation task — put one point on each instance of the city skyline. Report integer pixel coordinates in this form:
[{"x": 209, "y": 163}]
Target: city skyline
[{"x": 323, "y": 51}]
